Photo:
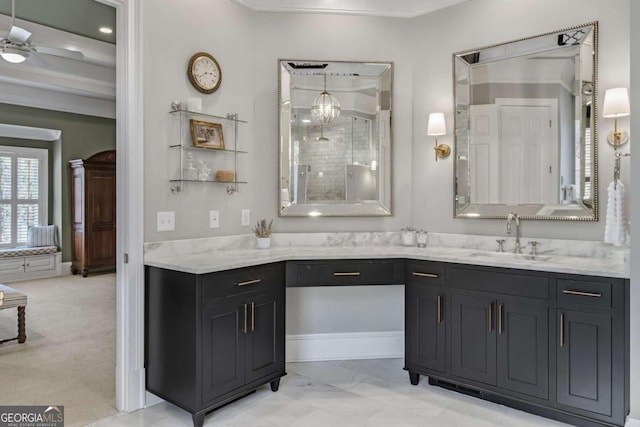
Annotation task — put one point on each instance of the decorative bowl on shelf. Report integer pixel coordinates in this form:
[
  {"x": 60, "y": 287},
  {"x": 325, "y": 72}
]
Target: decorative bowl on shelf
[{"x": 225, "y": 175}]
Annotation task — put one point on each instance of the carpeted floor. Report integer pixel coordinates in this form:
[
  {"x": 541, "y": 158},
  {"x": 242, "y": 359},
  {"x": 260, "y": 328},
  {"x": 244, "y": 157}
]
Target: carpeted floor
[{"x": 69, "y": 357}]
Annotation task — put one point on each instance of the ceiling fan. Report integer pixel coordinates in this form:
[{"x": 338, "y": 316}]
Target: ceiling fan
[{"x": 16, "y": 47}]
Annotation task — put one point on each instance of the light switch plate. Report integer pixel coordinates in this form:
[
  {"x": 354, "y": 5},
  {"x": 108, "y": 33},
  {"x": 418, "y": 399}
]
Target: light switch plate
[
  {"x": 214, "y": 219},
  {"x": 166, "y": 221},
  {"x": 246, "y": 217}
]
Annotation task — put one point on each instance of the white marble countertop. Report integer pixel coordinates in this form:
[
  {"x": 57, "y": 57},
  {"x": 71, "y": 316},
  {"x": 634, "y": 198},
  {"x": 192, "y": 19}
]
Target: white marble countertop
[{"x": 212, "y": 258}]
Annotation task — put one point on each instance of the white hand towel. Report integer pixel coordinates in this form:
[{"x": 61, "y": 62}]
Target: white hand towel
[{"x": 615, "y": 230}]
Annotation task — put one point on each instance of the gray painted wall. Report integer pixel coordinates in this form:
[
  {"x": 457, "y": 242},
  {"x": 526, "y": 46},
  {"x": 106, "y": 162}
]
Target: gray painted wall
[{"x": 81, "y": 137}]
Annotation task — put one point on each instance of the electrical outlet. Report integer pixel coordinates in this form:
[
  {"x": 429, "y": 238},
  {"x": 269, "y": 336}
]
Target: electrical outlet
[
  {"x": 246, "y": 217},
  {"x": 166, "y": 221},
  {"x": 214, "y": 219}
]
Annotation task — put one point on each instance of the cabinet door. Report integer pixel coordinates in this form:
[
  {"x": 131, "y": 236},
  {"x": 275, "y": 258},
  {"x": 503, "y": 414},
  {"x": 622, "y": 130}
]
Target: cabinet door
[
  {"x": 100, "y": 227},
  {"x": 265, "y": 335},
  {"x": 473, "y": 336},
  {"x": 425, "y": 327},
  {"x": 523, "y": 348},
  {"x": 584, "y": 360},
  {"x": 223, "y": 347}
]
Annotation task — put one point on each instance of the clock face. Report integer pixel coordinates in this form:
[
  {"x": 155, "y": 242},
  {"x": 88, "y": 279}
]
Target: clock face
[{"x": 204, "y": 72}]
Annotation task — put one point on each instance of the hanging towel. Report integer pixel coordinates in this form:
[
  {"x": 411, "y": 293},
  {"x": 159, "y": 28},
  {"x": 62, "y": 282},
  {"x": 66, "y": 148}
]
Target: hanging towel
[{"x": 615, "y": 230}]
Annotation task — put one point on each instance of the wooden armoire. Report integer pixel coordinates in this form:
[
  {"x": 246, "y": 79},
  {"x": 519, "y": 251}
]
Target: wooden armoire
[{"x": 93, "y": 198}]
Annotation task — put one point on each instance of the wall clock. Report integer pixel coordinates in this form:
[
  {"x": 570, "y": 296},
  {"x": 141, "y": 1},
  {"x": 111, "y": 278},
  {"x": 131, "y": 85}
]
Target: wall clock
[{"x": 204, "y": 72}]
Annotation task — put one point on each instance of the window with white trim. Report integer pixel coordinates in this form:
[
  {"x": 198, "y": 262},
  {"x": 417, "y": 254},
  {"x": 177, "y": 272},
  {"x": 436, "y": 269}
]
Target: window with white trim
[{"x": 23, "y": 193}]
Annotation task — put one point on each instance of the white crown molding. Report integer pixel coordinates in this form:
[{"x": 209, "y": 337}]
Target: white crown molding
[
  {"x": 28, "y": 132},
  {"x": 384, "y": 8},
  {"x": 58, "y": 101}
]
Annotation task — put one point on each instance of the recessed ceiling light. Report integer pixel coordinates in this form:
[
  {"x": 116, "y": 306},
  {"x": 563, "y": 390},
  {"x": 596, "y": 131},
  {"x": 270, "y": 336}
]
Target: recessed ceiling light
[
  {"x": 106, "y": 30},
  {"x": 306, "y": 121}
]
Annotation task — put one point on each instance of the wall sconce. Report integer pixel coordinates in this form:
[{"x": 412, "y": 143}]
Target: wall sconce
[
  {"x": 616, "y": 104},
  {"x": 437, "y": 127}
]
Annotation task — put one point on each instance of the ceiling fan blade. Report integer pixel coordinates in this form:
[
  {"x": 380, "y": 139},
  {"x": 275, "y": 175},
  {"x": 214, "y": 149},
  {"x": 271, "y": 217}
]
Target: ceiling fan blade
[
  {"x": 19, "y": 35},
  {"x": 36, "y": 60},
  {"x": 66, "y": 53}
]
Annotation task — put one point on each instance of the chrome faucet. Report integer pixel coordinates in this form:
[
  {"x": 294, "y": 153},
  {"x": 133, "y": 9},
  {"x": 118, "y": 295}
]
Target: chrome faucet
[{"x": 513, "y": 216}]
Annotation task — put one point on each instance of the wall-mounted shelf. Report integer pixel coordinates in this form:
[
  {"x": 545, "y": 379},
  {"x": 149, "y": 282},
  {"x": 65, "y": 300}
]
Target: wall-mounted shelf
[{"x": 189, "y": 154}]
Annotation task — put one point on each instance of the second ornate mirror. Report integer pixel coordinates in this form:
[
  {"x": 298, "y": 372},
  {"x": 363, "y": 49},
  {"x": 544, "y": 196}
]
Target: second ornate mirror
[
  {"x": 526, "y": 127},
  {"x": 335, "y": 155}
]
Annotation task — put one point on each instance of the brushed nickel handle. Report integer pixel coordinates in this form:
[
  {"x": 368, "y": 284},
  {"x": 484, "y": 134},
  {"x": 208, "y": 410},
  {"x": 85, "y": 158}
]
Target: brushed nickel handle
[
  {"x": 490, "y": 317},
  {"x": 439, "y": 309},
  {"x": 500, "y": 318},
  {"x": 245, "y": 319},
  {"x": 349, "y": 273},
  {"x": 250, "y": 282},
  {"x": 433, "y": 276},
  {"x": 561, "y": 329},
  {"x": 253, "y": 316},
  {"x": 582, "y": 294}
]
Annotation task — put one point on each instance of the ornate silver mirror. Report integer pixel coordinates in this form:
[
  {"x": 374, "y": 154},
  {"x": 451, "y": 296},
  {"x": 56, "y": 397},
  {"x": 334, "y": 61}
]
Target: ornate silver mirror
[
  {"x": 335, "y": 134},
  {"x": 526, "y": 133}
]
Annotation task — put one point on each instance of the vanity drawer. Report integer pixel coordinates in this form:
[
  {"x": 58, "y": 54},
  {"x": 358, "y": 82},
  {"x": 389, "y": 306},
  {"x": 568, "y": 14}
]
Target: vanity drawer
[
  {"x": 241, "y": 280},
  {"x": 584, "y": 292},
  {"x": 502, "y": 282},
  {"x": 344, "y": 272},
  {"x": 424, "y": 273}
]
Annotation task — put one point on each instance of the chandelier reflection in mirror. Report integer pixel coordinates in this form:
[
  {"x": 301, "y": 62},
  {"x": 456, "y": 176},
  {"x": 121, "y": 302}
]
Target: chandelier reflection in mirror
[{"x": 325, "y": 108}]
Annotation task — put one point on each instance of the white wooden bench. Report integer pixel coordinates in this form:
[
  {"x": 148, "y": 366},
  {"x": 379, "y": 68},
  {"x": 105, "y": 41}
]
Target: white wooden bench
[
  {"x": 10, "y": 298},
  {"x": 30, "y": 263}
]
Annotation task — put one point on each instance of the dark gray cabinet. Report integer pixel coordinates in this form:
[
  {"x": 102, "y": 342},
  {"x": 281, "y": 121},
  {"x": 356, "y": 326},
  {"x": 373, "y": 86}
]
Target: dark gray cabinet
[
  {"x": 215, "y": 337},
  {"x": 584, "y": 361},
  {"x": 473, "y": 337},
  {"x": 425, "y": 317},
  {"x": 523, "y": 346},
  {"x": 592, "y": 347},
  {"x": 552, "y": 344}
]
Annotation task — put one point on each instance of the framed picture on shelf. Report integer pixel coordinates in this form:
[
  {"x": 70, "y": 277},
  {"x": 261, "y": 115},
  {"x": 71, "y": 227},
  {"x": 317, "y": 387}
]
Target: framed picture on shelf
[{"x": 207, "y": 135}]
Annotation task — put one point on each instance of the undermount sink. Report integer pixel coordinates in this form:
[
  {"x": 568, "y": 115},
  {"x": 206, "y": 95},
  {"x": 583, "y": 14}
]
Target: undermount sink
[{"x": 507, "y": 255}]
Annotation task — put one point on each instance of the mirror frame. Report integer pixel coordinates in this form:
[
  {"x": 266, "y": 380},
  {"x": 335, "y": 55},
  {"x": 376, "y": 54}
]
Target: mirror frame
[
  {"x": 355, "y": 209},
  {"x": 594, "y": 212}
]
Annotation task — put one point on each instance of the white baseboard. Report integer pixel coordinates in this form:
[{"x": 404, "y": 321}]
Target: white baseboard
[
  {"x": 151, "y": 399},
  {"x": 66, "y": 268},
  {"x": 344, "y": 346},
  {"x": 632, "y": 422}
]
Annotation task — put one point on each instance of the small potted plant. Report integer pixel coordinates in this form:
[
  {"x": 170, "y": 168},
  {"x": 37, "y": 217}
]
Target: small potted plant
[{"x": 262, "y": 230}]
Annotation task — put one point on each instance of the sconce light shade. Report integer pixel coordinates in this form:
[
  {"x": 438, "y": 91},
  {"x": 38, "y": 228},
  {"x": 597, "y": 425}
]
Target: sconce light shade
[
  {"x": 616, "y": 103},
  {"x": 437, "y": 127},
  {"x": 436, "y": 124}
]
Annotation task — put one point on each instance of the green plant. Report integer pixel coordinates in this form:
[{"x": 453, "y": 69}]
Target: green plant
[{"x": 262, "y": 229}]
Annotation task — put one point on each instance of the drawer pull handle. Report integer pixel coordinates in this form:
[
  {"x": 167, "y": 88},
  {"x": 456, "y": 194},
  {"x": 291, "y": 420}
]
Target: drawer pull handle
[
  {"x": 500, "y": 319},
  {"x": 583, "y": 294},
  {"x": 250, "y": 282},
  {"x": 561, "y": 329},
  {"x": 350, "y": 273},
  {"x": 439, "y": 308},
  {"x": 433, "y": 276}
]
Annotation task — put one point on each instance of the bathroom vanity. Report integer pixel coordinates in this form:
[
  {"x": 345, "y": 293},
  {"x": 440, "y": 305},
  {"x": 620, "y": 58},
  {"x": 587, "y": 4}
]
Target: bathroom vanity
[{"x": 523, "y": 331}]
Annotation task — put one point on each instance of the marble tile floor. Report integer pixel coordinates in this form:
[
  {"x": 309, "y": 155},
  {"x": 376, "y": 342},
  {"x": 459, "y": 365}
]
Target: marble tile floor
[{"x": 353, "y": 393}]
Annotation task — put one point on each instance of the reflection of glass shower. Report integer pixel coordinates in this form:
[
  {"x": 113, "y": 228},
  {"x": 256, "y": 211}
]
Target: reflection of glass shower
[{"x": 347, "y": 141}]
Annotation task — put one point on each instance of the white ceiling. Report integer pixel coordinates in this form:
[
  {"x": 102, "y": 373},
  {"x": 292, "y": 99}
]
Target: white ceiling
[{"x": 391, "y": 8}]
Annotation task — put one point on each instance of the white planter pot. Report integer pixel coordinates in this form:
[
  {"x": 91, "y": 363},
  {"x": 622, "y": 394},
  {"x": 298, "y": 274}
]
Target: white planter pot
[{"x": 263, "y": 242}]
